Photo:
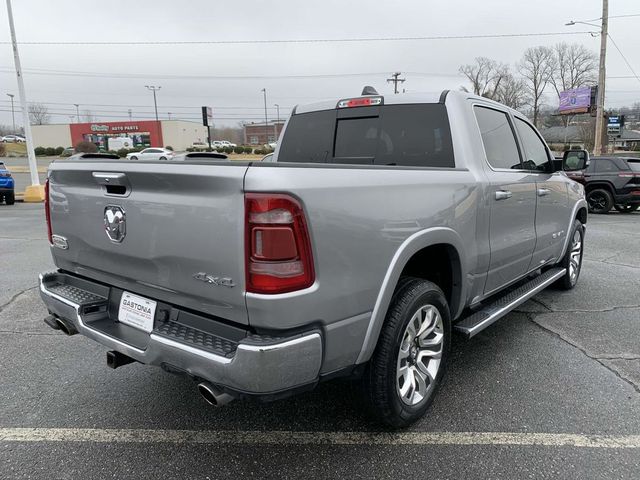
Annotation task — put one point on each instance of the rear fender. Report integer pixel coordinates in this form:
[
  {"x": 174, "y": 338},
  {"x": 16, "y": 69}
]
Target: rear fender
[{"x": 412, "y": 245}]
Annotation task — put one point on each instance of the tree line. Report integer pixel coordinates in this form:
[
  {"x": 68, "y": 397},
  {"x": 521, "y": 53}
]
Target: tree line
[{"x": 561, "y": 67}]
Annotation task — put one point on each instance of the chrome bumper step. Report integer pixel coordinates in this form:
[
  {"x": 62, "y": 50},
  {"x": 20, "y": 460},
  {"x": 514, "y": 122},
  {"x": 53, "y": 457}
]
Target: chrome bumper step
[{"x": 481, "y": 319}]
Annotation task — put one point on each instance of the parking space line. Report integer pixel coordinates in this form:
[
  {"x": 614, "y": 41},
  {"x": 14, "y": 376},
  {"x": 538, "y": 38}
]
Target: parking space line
[{"x": 279, "y": 437}]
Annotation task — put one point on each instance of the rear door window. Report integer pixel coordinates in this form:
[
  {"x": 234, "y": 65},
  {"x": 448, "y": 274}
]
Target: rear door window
[
  {"x": 405, "y": 135},
  {"x": 497, "y": 136},
  {"x": 604, "y": 165}
]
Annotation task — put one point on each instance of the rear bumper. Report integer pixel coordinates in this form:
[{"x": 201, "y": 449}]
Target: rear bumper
[
  {"x": 631, "y": 197},
  {"x": 259, "y": 365}
]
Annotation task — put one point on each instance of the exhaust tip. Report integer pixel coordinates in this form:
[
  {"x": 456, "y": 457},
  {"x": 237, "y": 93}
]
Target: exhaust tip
[
  {"x": 213, "y": 395},
  {"x": 66, "y": 329},
  {"x": 207, "y": 394}
]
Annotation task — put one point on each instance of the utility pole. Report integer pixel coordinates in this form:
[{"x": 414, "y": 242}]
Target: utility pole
[
  {"x": 34, "y": 192},
  {"x": 597, "y": 147},
  {"x": 395, "y": 79},
  {"x": 266, "y": 123},
  {"x": 13, "y": 116},
  {"x": 129, "y": 112},
  {"x": 153, "y": 88},
  {"x": 275, "y": 127},
  {"x": 169, "y": 113},
  {"x": 77, "y": 112}
]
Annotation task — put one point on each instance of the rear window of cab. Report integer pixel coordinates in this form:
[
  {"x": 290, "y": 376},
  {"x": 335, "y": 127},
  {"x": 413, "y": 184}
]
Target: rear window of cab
[{"x": 415, "y": 135}]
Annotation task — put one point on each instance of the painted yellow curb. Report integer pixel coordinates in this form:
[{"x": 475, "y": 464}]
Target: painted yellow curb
[{"x": 34, "y": 193}]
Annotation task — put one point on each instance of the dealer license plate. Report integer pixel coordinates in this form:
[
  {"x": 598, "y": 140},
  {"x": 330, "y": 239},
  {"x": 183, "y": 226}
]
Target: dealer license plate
[{"x": 137, "y": 311}]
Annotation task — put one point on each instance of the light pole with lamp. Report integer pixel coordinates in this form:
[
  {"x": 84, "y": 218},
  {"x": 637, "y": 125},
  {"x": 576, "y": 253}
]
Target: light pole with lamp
[
  {"x": 266, "y": 123},
  {"x": 275, "y": 129},
  {"x": 604, "y": 32},
  {"x": 77, "y": 105}
]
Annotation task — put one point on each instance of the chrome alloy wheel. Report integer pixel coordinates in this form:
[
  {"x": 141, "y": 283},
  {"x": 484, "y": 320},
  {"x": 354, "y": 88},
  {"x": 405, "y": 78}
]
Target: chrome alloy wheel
[
  {"x": 420, "y": 355},
  {"x": 575, "y": 257}
]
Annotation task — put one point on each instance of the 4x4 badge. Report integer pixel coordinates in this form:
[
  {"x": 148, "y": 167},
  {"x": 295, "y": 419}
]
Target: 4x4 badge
[{"x": 213, "y": 280}]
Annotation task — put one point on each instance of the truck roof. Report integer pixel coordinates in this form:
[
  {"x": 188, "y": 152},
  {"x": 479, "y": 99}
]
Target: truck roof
[{"x": 405, "y": 98}]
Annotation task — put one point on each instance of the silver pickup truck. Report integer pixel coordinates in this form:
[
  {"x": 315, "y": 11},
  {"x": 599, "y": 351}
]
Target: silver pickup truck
[{"x": 383, "y": 225}]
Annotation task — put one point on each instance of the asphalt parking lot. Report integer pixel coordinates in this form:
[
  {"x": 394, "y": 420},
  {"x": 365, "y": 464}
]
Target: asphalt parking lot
[{"x": 550, "y": 391}]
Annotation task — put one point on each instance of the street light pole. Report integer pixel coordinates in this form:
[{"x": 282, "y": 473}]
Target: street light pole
[
  {"x": 153, "y": 88},
  {"x": 597, "y": 148},
  {"x": 266, "y": 123},
  {"x": 34, "y": 192},
  {"x": 275, "y": 128},
  {"x": 77, "y": 105},
  {"x": 13, "y": 116}
]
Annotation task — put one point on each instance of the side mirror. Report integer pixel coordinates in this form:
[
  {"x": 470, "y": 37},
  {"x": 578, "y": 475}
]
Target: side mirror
[{"x": 573, "y": 160}]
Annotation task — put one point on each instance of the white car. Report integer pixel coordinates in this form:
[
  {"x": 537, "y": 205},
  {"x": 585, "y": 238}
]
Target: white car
[
  {"x": 152, "y": 153},
  {"x": 13, "y": 139},
  {"x": 225, "y": 143}
]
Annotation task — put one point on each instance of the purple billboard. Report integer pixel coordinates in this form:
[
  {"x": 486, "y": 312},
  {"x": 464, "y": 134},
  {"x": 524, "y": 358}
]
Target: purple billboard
[{"x": 577, "y": 100}]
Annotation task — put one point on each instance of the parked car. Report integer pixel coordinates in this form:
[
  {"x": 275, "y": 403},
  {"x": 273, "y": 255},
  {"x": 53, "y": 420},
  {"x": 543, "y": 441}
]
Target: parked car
[
  {"x": 385, "y": 224},
  {"x": 67, "y": 152},
  {"x": 7, "y": 186},
  {"x": 153, "y": 153},
  {"x": 611, "y": 182},
  {"x": 269, "y": 157},
  {"x": 225, "y": 143},
  {"x": 13, "y": 139},
  {"x": 199, "y": 145}
]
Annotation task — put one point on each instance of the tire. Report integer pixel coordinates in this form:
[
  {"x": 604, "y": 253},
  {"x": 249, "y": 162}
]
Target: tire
[
  {"x": 163, "y": 158},
  {"x": 572, "y": 260},
  {"x": 10, "y": 198},
  {"x": 397, "y": 399},
  {"x": 599, "y": 201},
  {"x": 628, "y": 208},
  {"x": 134, "y": 158}
]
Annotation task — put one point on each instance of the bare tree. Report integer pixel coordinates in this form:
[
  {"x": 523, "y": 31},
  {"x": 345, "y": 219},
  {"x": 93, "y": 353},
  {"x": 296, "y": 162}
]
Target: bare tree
[
  {"x": 87, "y": 116},
  {"x": 38, "y": 114},
  {"x": 486, "y": 76},
  {"x": 576, "y": 66},
  {"x": 536, "y": 67},
  {"x": 512, "y": 92},
  {"x": 587, "y": 132}
]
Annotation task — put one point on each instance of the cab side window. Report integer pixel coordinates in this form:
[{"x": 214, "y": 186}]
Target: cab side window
[
  {"x": 536, "y": 157},
  {"x": 497, "y": 136}
]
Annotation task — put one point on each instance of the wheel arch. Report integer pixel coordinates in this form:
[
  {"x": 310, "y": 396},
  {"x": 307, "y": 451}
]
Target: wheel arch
[
  {"x": 437, "y": 240},
  {"x": 600, "y": 184}
]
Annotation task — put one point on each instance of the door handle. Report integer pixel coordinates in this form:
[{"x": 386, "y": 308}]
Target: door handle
[
  {"x": 543, "y": 191},
  {"x": 503, "y": 194}
]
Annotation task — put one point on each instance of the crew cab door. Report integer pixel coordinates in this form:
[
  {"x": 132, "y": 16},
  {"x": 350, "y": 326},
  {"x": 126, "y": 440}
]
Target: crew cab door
[
  {"x": 552, "y": 206},
  {"x": 511, "y": 198}
]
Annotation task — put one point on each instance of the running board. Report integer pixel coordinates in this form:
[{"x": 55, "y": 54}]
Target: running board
[{"x": 481, "y": 319}]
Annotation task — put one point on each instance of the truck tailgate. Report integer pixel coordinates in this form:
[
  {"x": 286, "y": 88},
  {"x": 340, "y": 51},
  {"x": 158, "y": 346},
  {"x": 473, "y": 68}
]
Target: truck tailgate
[{"x": 183, "y": 241}]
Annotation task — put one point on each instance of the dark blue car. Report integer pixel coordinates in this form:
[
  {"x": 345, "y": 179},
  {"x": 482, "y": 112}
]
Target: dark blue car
[{"x": 7, "y": 190}]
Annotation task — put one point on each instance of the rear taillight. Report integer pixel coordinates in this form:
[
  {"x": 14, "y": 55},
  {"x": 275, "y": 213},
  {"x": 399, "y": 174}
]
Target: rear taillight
[
  {"x": 47, "y": 211},
  {"x": 277, "y": 244}
]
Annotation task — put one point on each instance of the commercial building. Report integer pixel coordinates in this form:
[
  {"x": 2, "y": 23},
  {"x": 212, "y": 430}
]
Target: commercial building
[
  {"x": 261, "y": 133},
  {"x": 178, "y": 134}
]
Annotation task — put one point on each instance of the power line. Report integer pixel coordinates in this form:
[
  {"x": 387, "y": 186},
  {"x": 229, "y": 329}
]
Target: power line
[
  {"x": 305, "y": 40},
  {"x": 624, "y": 58},
  {"x": 63, "y": 73}
]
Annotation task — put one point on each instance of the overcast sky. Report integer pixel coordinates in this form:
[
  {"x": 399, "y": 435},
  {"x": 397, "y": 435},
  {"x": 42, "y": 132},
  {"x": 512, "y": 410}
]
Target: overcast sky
[{"x": 427, "y": 65}]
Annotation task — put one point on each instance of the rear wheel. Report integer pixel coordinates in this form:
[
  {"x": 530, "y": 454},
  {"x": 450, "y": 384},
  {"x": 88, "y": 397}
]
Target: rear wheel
[
  {"x": 163, "y": 158},
  {"x": 134, "y": 158},
  {"x": 410, "y": 359},
  {"x": 628, "y": 208},
  {"x": 572, "y": 260},
  {"x": 599, "y": 201},
  {"x": 10, "y": 198}
]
